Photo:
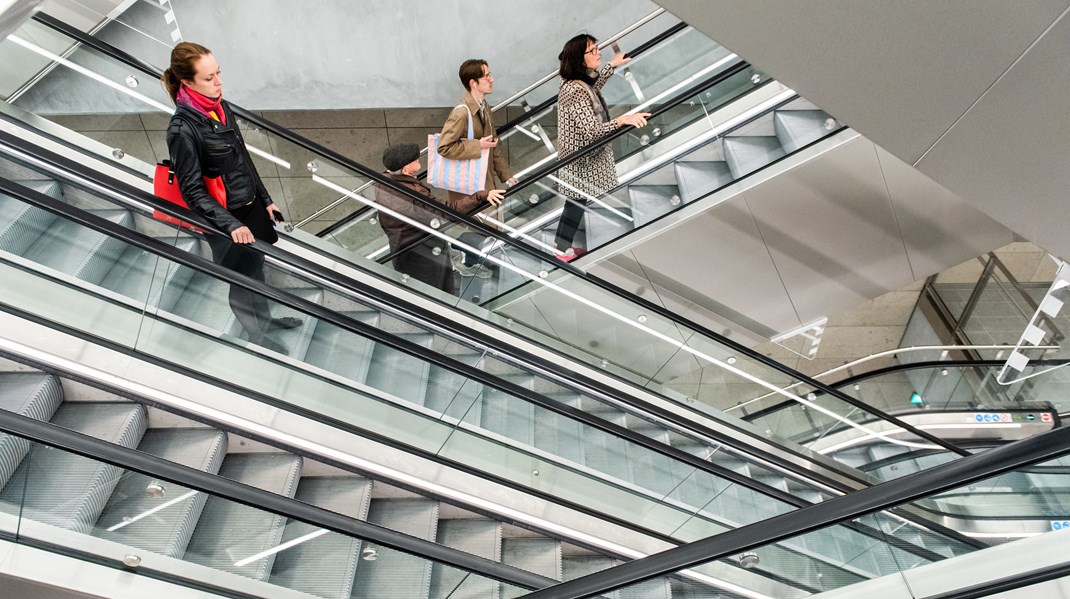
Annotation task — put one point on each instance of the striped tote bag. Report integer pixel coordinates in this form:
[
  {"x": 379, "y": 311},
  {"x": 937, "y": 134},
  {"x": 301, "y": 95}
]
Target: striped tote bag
[{"x": 463, "y": 176}]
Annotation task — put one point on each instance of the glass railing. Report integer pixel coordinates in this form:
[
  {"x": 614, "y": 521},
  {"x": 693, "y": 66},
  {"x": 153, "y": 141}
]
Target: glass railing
[
  {"x": 591, "y": 322},
  {"x": 338, "y": 365},
  {"x": 90, "y": 509},
  {"x": 878, "y": 567}
]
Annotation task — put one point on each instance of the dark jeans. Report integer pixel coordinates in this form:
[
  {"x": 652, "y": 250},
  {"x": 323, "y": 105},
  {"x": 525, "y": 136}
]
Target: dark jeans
[
  {"x": 571, "y": 217},
  {"x": 250, "y": 308}
]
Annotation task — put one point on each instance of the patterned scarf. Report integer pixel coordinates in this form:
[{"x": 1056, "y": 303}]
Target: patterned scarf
[{"x": 209, "y": 107}]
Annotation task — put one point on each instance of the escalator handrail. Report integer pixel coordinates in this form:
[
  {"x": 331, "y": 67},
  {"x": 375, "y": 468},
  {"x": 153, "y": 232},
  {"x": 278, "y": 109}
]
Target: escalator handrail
[
  {"x": 46, "y": 433},
  {"x": 530, "y": 251},
  {"x": 973, "y": 468},
  {"x": 401, "y": 344}
]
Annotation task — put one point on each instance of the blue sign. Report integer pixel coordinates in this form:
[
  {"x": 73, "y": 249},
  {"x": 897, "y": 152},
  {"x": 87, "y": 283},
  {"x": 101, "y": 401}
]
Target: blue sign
[{"x": 1060, "y": 524}]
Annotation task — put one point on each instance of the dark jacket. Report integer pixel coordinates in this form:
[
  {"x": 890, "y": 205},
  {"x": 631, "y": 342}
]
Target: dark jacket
[
  {"x": 217, "y": 150},
  {"x": 401, "y": 233}
]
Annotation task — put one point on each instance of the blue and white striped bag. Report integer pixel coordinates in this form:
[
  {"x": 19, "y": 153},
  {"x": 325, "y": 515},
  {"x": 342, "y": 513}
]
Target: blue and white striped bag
[{"x": 463, "y": 176}]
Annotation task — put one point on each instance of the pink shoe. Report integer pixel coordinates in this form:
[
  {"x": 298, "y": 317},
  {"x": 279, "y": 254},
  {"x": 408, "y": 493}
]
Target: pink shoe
[{"x": 571, "y": 254}]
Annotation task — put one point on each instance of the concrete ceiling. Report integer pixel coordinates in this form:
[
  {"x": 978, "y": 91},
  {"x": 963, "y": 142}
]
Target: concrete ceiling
[{"x": 973, "y": 93}]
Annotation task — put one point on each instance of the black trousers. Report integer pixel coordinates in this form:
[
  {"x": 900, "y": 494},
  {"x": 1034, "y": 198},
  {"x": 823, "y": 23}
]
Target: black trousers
[
  {"x": 571, "y": 217},
  {"x": 250, "y": 308}
]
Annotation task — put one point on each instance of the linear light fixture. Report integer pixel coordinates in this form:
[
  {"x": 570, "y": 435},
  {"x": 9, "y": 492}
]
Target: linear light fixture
[
  {"x": 283, "y": 547},
  {"x": 145, "y": 514}
]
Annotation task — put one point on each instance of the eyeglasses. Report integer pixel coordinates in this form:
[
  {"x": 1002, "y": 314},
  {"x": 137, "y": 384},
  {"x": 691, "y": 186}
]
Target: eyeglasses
[{"x": 593, "y": 51}]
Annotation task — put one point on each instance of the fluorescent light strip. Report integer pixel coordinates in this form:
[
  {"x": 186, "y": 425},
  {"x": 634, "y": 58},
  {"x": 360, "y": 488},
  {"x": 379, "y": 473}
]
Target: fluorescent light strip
[
  {"x": 283, "y": 547},
  {"x": 267, "y": 156},
  {"x": 515, "y": 233},
  {"x": 591, "y": 198},
  {"x": 536, "y": 165},
  {"x": 925, "y": 427},
  {"x": 92, "y": 75},
  {"x": 621, "y": 318},
  {"x": 148, "y": 513}
]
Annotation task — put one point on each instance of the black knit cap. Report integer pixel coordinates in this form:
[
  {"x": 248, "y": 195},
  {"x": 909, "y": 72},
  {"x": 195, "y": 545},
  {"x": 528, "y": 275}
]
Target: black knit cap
[{"x": 398, "y": 156}]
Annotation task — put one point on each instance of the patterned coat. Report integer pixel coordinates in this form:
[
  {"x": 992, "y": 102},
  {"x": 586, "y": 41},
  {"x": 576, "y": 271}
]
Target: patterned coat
[{"x": 578, "y": 126}]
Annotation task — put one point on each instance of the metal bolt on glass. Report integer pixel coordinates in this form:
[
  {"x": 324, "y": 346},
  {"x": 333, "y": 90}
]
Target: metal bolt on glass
[
  {"x": 857, "y": 386},
  {"x": 830, "y": 124},
  {"x": 312, "y": 166},
  {"x": 749, "y": 560},
  {"x": 435, "y": 223},
  {"x": 509, "y": 322},
  {"x": 533, "y": 198},
  {"x": 642, "y": 318},
  {"x": 605, "y": 362},
  {"x": 155, "y": 489},
  {"x": 811, "y": 396},
  {"x": 475, "y": 298},
  {"x": 534, "y": 472},
  {"x": 656, "y": 131},
  {"x": 644, "y": 140},
  {"x": 372, "y": 220},
  {"x": 404, "y": 278},
  {"x": 436, "y": 251},
  {"x": 132, "y": 81},
  {"x": 534, "y": 128},
  {"x": 118, "y": 153},
  {"x": 131, "y": 561},
  {"x": 756, "y": 78},
  {"x": 674, "y": 200},
  {"x": 731, "y": 360},
  {"x": 943, "y": 372},
  {"x": 543, "y": 274}
]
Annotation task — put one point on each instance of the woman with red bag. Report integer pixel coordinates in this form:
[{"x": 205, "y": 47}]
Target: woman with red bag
[{"x": 218, "y": 181}]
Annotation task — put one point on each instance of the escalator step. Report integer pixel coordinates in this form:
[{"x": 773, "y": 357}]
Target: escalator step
[
  {"x": 398, "y": 373},
  {"x": 536, "y": 555},
  {"x": 22, "y": 224},
  {"x": 606, "y": 453},
  {"x": 797, "y": 128},
  {"x": 298, "y": 338},
  {"x": 79, "y": 251},
  {"x": 69, "y": 491},
  {"x": 229, "y": 532},
  {"x": 696, "y": 179},
  {"x": 651, "y": 201},
  {"x": 604, "y": 226},
  {"x": 475, "y": 536},
  {"x": 172, "y": 512},
  {"x": 340, "y": 351},
  {"x": 326, "y": 565},
  {"x": 36, "y": 395},
  {"x": 745, "y": 154},
  {"x": 141, "y": 276},
  {"x": 393, "y": 573}
]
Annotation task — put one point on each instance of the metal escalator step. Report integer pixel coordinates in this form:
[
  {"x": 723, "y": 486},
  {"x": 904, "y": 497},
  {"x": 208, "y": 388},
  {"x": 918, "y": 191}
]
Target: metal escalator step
[
  {"x": 748, "y": 153},
  {"x": 59, "y": 488},
  {"x": 797, "y": 128},
  {"x": 651, "y": 201},
  {"x": 79, "y": 251},
  {"x": 507, "y": 415},
  {"x": 604, "y": 226},
  {"x": 393, "y": 573},
  {"x": 478, "y": 537},
  {"x": 144, "y": 277},
  {"x": 229, "y": 532},
  {"x": 204, "y": 300},
  {"x": 159, "y": 516},
  {"x": 697, "y": 179},
  {"x": 22, "y": 224},
  {"x": 36, "y": 395},
  {"x": 536, "y": 555},
  {"x": 340, "y": 351},
  {"x": 650, "y": 469},
  {"x": 580, "y": 565},
  {"x": 398, "y": 373},
  {"x": 324, "y": 566}
]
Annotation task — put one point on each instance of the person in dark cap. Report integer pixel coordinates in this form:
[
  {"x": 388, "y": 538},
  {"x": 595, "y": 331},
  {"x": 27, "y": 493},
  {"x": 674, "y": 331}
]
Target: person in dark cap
[{"x": 428, "y": 261}]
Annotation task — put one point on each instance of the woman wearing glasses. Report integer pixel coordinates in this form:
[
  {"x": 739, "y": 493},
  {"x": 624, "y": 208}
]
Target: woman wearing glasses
[{"x": 582, "y": 119}]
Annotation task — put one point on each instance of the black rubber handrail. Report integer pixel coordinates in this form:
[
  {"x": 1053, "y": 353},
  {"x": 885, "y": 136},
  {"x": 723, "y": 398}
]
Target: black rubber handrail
[
  {"x": 195, "y": 262},
  {"x": 45, "y": 433},
  {"x": 1048, "y": 446},
  {"x": 525, "y": 248}
]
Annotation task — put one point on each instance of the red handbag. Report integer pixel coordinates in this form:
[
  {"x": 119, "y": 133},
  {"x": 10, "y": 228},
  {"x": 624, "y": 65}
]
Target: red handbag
[{"x": 166, "y": 188}]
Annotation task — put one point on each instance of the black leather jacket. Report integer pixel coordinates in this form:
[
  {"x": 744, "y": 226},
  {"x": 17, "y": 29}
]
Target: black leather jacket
[{"x": 223, "y": 154}]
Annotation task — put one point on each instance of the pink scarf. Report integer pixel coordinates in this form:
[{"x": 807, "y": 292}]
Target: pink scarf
[{"x": 209, "y": 107}]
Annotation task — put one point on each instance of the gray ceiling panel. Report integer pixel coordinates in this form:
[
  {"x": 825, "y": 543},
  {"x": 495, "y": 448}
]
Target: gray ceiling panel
[
  {"x": 898, "y": 72},
  {"x": 831, "y": 230},
  {"x": 1010, "y": 152},
  {"x": 938, "y": 227}
]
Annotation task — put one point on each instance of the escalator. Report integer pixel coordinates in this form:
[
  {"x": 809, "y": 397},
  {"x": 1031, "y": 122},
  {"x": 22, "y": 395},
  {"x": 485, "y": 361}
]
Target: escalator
[
  {"x": 196, "y": 304},
  {"x": 463, "y": 405}
]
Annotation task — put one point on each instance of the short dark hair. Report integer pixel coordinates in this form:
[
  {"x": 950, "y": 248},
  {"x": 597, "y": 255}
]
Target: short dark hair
[
  {"x": 572, "y": 59},
  {"x": 471, "y": 69}
]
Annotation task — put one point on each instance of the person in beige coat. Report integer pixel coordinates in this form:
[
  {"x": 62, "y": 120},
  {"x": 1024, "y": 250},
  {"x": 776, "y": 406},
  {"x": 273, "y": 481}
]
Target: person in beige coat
[{"x": 453, "y": 143}]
